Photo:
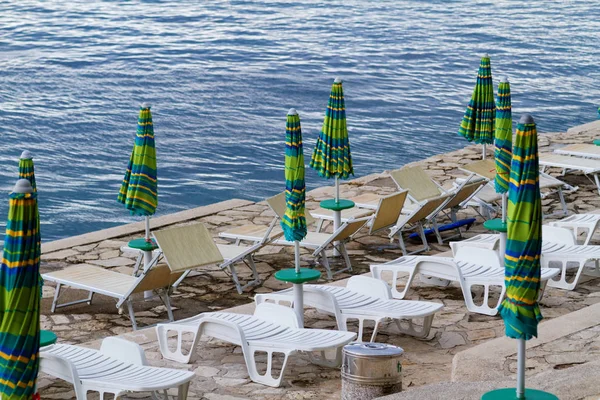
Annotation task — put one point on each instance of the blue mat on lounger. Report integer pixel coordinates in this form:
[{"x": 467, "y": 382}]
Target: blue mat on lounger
[{"x": 468, "y": 222}]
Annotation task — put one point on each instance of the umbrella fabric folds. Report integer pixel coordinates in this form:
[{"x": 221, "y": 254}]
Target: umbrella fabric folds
[
  {"x": 294, "y": 221},
  {"x": 520, "y": 310},
  {"x": 477, "y": 124},
  {"x": 26, "y": 168},
  {"x": 331, "y": 156},
  {"x": 139, "y": 188},
  {"x": 503, "y": 137},
  {"x": 20, "y": 296}
]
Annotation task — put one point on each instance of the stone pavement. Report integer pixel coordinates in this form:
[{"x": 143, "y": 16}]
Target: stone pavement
[{"x": 220, "y": 369}]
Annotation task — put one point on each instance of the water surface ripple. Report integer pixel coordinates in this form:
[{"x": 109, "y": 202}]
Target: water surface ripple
[{"x": 221, "y": 76}]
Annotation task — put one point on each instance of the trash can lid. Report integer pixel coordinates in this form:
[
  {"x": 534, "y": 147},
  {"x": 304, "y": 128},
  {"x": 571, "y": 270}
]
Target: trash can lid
[{"x": 369, "y": 350}]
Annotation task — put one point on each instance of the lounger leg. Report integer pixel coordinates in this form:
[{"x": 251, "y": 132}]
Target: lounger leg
[
  {"x": 56, "y": 294},
  {"x": 561, "y": 196},
  {"x": 597, "y": 182},
  {"x": 562, "y": 282},
  {"x": 131, "y": 314},
  {"x": 235, "y": 278},
  {"x": 436, "y": 230},
  {"x": 164, "y": 296},
  {"x": 346, "y": 257},
  {"x": 402, "y": 244},
  {"x": 162, "y": 334},
  {"x": 412, "y": 331},
  {"x": 423, "y": 237},
  {"x": 267, "y": 378},
  {"x": 322, "y": 359},
  {"x": 325, "y": 261},
  {"x": 320, "y": 225},
  {"x": 182, "y": 391}
]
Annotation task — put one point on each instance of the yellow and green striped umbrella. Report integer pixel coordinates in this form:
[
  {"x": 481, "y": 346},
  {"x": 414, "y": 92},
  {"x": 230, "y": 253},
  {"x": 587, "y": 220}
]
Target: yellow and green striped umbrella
[
  {"x": 520, "y": 310},
  {"x": 331, "y": 157},
  {"x": 26, "y": 168},
  {"x": 477, "y": 124},
  {"x": 503, "y": 137},
  {"x": 20, "y": 296},
  {"x": 139, "y": 188},
  {"x": 294, "y": 221}
]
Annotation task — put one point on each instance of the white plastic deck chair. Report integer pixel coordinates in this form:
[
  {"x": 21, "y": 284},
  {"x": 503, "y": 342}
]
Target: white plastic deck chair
[
  {"x": 364, "y": 299},
  {"x": 579, "y": 224},
  {"x": 560, "y": 252},
  {"x": 119, "y": 368},
  {"x": 272, "y": 329},
  {"x": 416, "y": 220},
  {"x": 471, "y": 266},
  {"x": 587, "y": 166},
  {"x": 182, "y": 251}
]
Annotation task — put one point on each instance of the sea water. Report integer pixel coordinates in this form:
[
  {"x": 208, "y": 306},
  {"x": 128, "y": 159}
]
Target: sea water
[{"x": 221, "y": 76}]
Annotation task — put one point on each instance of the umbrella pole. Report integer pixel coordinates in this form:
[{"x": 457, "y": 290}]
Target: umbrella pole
[
  {"x": 298, "y": 291},
  {"x": 521, "y": 369},
  {"x": 483, "y": 158},
  {"x": 147, "y": 237},
  {"x": 337, "y": 189}
]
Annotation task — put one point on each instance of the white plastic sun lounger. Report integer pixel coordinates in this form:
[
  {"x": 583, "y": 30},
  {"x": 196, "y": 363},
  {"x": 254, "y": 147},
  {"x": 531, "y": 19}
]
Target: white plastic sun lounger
[
  {"x": 471, "y": 266},
  {"x": 364, "y": 299},
  {"x": 118, "y": 368},
  {"x": 580, "y": 223},
  {"x": 183, "y": 248},
  {"x": 558, "y": 247},
  {"x": 567, "y": 163},
  {"x": 272, "y": 329},
  {"x": 584, "y": 150}
]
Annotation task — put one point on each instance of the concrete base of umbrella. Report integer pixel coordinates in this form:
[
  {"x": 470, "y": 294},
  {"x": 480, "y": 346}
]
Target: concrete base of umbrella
[{"x": 297, "y": 277}]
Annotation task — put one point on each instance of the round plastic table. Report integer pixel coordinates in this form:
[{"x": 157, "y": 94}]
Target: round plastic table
[
  {"x": 297, "y": 279},
  {"x": 336, "y": 207},
  {"x": 47, "y": 338}
]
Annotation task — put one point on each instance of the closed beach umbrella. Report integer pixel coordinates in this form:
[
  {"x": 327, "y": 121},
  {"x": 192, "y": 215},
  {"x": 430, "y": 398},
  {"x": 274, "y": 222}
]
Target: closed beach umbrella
[
  {"x": 20, "y": 296},
  {"x": 331, "y": 157},
  {"x": 503, "y": 137},
  {"x": 520, "y": 309},
  {"x": 139, "y": 188},
  {"x": 294, "y": 222},
  {"x": 26, "y": 168},
  {"x": 477, "y": 124}
]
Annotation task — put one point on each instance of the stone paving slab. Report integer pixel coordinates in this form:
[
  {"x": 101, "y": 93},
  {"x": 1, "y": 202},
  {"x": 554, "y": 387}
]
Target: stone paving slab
[{"x": 220, "y": 369}]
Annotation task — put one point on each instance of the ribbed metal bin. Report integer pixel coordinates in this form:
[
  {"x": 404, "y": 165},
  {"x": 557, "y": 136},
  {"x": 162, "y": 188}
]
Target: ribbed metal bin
[{"x": 370, "y": 370}]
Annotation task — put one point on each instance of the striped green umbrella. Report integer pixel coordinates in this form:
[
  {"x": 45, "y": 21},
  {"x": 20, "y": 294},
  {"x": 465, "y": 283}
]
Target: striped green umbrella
[
  {"x": 331, "y": 157},
  {"x": 503, "y": 137},
  {"x": 26, "y": 168},
  {"x": 294, "y": 222},
  {"x": 477, "y": 124},
  {"x": 139, "y": 188},
  {"x": 520, "y": 309},
  {"x": 20, "y": 296}
]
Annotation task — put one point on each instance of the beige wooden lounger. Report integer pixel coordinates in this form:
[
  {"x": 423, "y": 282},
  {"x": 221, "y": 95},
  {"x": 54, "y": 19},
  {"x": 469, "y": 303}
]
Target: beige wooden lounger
[{"x": 183, "y": 248}]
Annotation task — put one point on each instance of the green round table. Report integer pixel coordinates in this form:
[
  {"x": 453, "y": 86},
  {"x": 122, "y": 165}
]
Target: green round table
[
  {"x": 47, "y": 338},
  {"x": 336, "y": 207},
  {"x": 495, "y": 224},
  {"x": 298, "y": 279},
  {"x": 146, "y": 247}
]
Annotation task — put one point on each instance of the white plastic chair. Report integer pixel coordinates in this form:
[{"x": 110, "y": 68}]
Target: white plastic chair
[
  {"x": 272, "y": 329},
  {"x": 363, "y": 299}
]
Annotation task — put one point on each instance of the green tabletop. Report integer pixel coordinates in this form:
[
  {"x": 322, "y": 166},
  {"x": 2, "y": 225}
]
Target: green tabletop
[
  {"x": 47, "y": 338},
  {"x": 290, "y": 275},
  {"x": 495, "y": 225},
  {"x": 511, "y": 393},
  {"x": 142, "y": 244},
  {"x": 597, "y": 142},
  {"x": 339, "y": 205}
]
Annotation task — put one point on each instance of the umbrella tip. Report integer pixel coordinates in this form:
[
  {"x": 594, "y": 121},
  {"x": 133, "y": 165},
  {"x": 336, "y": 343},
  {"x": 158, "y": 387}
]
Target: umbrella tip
[
  {"x": 486, "y": 55},
  {"x": 337, "y": 80},
  {"x": 292, "y": 111},
  {"x": 23, "y": 186},
  {"x": 504, "y": 80},
  {"x": 145, "y": 105},
  {"x": 526, "y": 119},
  {"x": 26, "y": 155}
]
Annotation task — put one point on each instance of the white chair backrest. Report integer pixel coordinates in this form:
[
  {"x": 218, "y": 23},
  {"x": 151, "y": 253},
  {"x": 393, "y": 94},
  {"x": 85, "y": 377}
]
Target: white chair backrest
[
  {"x": 555, "y": 234},
  {"x": 277, "y": 314},
  {"x": 64, "y": 369},
  {"x": 479, "y": 256},
  {"x": 123, "y": 350},
  {"x": 369, "y": 287}
]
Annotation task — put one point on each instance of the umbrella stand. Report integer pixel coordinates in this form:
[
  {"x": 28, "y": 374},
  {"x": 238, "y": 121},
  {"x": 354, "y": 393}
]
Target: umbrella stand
[
  {"x": 147, "y": 236},
  {"x": 483, "y": 155}
]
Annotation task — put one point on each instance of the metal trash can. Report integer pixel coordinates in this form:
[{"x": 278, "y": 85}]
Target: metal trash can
[{"x": 370, "y": 370}]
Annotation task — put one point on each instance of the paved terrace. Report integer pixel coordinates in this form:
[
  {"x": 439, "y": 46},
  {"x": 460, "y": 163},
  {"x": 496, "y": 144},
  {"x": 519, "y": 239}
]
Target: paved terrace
[{"x": 220, "y": 369}]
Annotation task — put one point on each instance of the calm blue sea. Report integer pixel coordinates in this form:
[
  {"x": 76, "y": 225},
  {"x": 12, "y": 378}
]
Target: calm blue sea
[{"x": 221, "y": 75}]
